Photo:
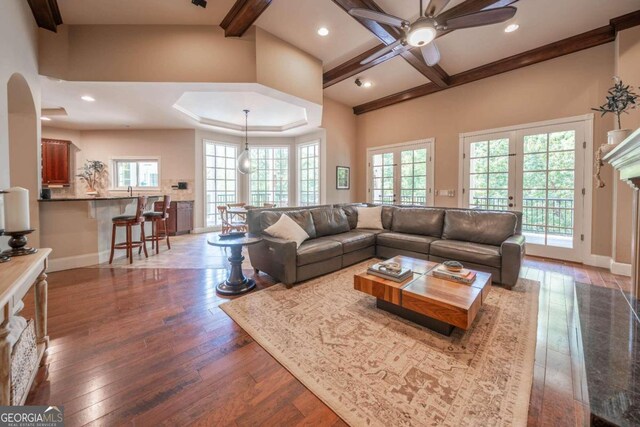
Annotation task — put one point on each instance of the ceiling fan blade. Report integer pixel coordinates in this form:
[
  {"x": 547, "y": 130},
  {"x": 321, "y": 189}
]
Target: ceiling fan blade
[
  {"x": 435, "y": 7},
  {"x": 484, "y": 17},
  {"x": 380, "y": 17},
  {"x": 381, "y": 52},
  {"x": 430, "y": 53}
]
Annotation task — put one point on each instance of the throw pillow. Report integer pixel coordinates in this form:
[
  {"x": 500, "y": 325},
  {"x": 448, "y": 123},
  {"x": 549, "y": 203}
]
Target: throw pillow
[
  {"x": 287, "y": 229},
  {"x": 370, "y": 218}
]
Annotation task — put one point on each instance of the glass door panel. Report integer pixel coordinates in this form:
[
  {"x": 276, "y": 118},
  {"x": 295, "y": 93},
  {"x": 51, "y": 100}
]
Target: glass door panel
[
  {"x": 489, "y": 179},
  {"x": 383, "y": 172},
  {"x": 551, "y": 194},
  {"x": 413, "y": 176}
]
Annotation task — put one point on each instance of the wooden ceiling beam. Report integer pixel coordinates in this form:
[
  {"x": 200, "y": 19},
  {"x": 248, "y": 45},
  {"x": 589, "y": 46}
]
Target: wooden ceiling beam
[
  {"x": 436, "y": 74},
  {"x": 242, "y": 16},
  {"x": 387, "y": 35},
  {"x": 586, "y": 40},
  {"x": 46, "y": 14}
]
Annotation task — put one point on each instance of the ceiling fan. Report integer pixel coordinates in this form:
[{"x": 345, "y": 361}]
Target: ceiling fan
[{"x": 424, "y": 30}]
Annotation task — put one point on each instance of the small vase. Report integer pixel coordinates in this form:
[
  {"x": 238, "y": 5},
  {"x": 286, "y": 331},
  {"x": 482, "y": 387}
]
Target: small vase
[
  {"x": 615, "y": 137},
  {"x": 91, "y": 192}
]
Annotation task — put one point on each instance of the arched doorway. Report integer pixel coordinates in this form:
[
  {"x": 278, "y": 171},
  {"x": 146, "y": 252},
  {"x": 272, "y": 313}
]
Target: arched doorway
[{"x": 24, "y": 146}]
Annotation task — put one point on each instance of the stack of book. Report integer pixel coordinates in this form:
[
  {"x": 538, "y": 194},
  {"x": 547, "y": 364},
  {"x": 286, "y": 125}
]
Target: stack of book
[
  {"x": 383, "y": 271},
  {"x": 464, "y": 276}
]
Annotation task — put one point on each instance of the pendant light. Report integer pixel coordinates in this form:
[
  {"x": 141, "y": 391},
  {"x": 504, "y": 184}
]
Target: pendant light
[{"x": 244, "y": 161}]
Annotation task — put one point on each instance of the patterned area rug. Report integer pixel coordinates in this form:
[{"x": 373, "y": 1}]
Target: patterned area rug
[{"x": 373, "y": 368}]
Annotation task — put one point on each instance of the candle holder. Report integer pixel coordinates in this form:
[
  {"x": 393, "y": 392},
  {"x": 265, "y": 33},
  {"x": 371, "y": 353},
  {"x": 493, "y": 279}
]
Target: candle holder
[
  {"x": 18, "y": 244},
  {"x": 3, "y": 258}
]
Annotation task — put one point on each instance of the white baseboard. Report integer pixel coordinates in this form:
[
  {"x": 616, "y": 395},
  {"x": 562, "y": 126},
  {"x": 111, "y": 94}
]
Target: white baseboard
[
  {"x": 601, "y": 261},
  {"x": 620, "y": 268},
  {"x": 201, "y": 230},
  {"x": 78, "y": 261}
]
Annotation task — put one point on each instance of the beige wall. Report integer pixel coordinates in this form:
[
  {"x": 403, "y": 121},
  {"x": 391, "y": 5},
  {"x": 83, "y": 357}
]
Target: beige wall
[
  {"x": 628, "y": 69},
  {"x": 18, "y": 53},
  {"x": 153, "y": 53},
  {"x": 563, "y": 87},
  {"x": 286, "y": 68},
  {"x": 339, "y": 123}
]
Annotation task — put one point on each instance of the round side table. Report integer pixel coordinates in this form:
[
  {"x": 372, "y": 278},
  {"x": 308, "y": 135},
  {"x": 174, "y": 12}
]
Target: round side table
[{"x": 236, "y": 283}]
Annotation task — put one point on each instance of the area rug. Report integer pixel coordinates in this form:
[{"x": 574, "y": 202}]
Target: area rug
[{"x": 373, "y": 368}]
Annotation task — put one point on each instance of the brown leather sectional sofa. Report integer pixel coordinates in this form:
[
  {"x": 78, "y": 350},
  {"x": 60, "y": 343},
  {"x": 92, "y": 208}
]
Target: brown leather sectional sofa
[{"x": 489, "y": 241}]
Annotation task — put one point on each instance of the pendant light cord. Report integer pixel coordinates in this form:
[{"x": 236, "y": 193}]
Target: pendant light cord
[{"x": 246, "y": 130}]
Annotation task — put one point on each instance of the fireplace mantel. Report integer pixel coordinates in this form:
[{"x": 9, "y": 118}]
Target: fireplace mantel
[{"x": 625, "y": 158}]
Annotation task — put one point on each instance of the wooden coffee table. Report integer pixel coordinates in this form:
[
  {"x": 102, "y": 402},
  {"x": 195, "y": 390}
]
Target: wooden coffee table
[{"x": 438, "y": 304}]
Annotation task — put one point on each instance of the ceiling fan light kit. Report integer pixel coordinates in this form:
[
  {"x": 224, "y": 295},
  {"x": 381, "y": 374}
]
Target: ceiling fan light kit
[{"x": 423, "y": 32}]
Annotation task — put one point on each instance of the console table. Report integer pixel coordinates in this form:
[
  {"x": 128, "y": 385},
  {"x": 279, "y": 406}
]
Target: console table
[{"x": 17, "y": 277}]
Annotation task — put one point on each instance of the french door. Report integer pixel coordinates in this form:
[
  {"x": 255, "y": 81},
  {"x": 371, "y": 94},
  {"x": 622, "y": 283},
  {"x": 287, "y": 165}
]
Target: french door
[
  {"x": 538, "y": 171},
  {"x": 401, "y": 174}
]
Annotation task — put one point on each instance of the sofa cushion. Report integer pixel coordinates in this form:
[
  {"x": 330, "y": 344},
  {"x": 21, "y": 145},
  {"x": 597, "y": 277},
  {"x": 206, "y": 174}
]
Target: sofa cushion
[
  {"x": 351, "y": 211},
  {"x": 328, "y": 221},
  {"x": 370, "y": 217},
  {"x": 476, "y": 253},
  {"x": 354, "y": 240},
  {"x": 425, "y": 221},
  {"x": 387, "y": 217},
  {"x": 302, "y": 217},
  {"x": 317, "y": 250},
  {"x": 287, "y": 229},
  {"x": 485, "y": 227},
  {"x": 409, "y": 242}
]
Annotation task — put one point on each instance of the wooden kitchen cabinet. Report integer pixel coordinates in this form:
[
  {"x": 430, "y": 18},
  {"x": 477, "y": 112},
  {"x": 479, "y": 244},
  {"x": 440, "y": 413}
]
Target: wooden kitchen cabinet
[
  {"x": 55, "y": 162},
  {"x": 180, "y": 219}
]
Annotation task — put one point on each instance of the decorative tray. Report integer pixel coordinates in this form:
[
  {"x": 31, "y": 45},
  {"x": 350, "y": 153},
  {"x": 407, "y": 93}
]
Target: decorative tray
[{"x": 233, "y": 235}]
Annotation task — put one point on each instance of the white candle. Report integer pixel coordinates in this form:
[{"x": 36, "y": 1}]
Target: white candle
[
  {"x": 16, "y": 209},
  {"x": 1, "y": 211}
]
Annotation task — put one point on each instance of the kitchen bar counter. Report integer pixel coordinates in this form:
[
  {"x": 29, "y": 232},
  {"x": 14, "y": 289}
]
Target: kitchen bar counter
[{"x": 88, "y": 199}]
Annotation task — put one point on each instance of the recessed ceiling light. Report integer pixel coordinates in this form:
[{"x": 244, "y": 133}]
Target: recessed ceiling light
[
  {"x": 323, "y": 31},
  {"x": 511, "y": 28},
  {"x": 367, "y": 84},
  {"x": 87, "y": 98},
  {"x": 46, "y": 119}
]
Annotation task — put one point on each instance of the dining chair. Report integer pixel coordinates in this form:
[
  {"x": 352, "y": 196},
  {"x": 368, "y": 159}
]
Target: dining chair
[{"x": 227, "y": 225}]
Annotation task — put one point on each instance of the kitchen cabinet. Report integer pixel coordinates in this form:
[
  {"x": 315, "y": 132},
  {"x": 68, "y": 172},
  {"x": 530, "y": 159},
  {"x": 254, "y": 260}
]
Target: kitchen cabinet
[
  {"x": 55, "y": 162},
  {"x": 180, "y": 219}
]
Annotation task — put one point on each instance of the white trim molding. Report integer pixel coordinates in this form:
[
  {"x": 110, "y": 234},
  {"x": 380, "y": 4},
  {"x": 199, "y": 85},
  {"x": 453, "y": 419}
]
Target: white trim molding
[{"x": 620, "y": 268}]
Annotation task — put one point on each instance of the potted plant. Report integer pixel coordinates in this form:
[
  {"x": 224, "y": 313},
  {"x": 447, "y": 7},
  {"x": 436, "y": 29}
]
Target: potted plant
[
  {"x": 620, "y": 99},
  {"x": 92, "y": 174}
]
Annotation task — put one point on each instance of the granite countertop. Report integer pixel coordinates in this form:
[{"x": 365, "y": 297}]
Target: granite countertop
[{"x": 89, "y": 199}]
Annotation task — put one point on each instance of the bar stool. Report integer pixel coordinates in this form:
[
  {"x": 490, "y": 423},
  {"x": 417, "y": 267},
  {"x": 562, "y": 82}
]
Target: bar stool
[
  {"x": 157, "y": 218},
  {"x": 129, "y": 221}
]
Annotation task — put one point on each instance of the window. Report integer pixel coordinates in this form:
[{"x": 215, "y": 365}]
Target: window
[
  {"x": 220, "y": 178},
  {"x": 269, "y": 182},
  {"x": 309, "y": 174},
  {"x": 137, "y": 173}
]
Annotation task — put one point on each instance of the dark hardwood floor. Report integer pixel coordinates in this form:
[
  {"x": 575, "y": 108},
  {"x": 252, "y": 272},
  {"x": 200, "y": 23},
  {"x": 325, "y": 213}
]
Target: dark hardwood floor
[{"x": 151, "y": 347}]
